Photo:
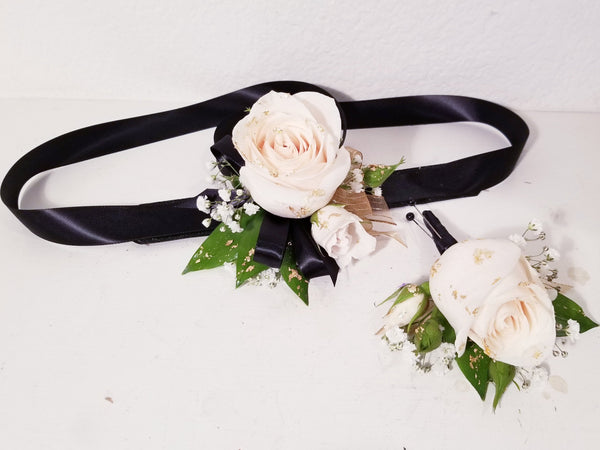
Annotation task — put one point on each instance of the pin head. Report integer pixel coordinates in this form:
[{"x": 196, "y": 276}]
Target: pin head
[{"x": 410, "y": 216}]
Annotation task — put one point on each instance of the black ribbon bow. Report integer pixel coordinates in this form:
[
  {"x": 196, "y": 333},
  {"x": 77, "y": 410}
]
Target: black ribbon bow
[{"x": 174, "y": 219}]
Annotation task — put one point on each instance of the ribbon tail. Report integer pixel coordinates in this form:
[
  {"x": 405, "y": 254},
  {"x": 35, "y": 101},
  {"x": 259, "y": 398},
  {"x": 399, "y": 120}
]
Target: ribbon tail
[
  {"x": 272, "y": 240},
  {"x": 312, "y": 260}
]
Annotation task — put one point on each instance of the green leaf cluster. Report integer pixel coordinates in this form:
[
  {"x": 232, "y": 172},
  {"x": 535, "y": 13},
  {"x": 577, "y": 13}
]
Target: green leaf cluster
[
  {"x": 224, "y": 246},
  {"x": 428, "y": 336},
  {"x": 565, "y": 309},
  {"x": 479, "y": 369}
]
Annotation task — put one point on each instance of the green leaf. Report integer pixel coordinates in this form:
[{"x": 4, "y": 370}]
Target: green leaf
[
  {"x": 502, "y": 375},
  {"x": 219, "y": 247},
  {"x": 565, "y": 309},
  {"x": 375, "y": 174},
  {"x": 246, "y": 267},
  {"x": 448, "y": 334},
  {"x": 474, "y": 364},
  {"x": 292, "y": 276},
  {"x": 428, "y": 336},
  {"x": 425, "y": 288},
  {"x": 401, "y": 294}
]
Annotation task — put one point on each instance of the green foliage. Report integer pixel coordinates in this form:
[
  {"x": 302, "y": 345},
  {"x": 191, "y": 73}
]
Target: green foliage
[
  {"x": 245, "y": 266},
  {"x": 474, "y": 364},
  {"x": 220, "y": 247},
  {"x": 501, "y": 374},
  {"x": 428, "y": 336},
  {"x": 292, "y": 276},
  {"x": 479, "y": 369},
  {"x": 448, "y": 334},
  {"x": 399, "y": 295},
  {"x": 565, "y": 309},
  {"x": 375, "y": 174}
]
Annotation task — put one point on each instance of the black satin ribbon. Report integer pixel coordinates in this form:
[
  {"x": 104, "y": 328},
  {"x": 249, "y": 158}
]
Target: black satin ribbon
[
  {"x": 272, "y": 240},
  {"x": 310, "y": 258},
  {"x": 174, "y": 219}
]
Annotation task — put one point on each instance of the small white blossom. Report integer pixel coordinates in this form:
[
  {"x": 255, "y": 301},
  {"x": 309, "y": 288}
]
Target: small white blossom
[
  {"x": 357, "y": 159},
  {"x": 447, "y": 350},
  {"x": 377, "y": 192},
  {"x": 357, "y": 175},
  {"x": 235, "y": 227},
  {"x": 251, "y": 208},
  {"x": 269, "y": 278},
  {"x": 225, "y": 195},
  {"x": 239, "y": 192},
  {"x": 224, "y": 212},
  {"x": 572, "y": 330},
  {"x": 203, "y": 204},
  {"x": 396, "y": 335},
  {"x": 206, "y": 222},
  {"x": 552, "y": 254},
  {"x": 518, "y": 239},
  {"x": 535, "y": 225},
  {"x": 356, "y": 187},
  {"x": 442, "y": 357}
]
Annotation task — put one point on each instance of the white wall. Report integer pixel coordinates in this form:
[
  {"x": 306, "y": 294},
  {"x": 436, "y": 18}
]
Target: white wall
[{"x": 527, "y": 54}]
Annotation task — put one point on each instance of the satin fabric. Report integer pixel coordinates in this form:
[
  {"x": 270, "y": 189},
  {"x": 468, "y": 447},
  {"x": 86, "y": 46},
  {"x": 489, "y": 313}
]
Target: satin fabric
[{"x": 180, "y": 218}]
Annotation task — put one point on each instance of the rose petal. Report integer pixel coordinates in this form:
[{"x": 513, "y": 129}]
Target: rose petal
[
  {"x": 285, "y": 201},
  {"x": 324, "y": 110}
]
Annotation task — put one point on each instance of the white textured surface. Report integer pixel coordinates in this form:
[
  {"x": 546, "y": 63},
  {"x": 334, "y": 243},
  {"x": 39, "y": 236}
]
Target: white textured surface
[
  {"x": 111, "y": 348},
  {"x": 541, "y": 55}
]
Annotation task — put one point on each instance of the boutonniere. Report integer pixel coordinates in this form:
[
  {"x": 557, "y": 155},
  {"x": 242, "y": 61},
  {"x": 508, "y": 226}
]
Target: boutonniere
[
  {"x": 489, "y": 307},
  {"x": 298, "y": 204}
]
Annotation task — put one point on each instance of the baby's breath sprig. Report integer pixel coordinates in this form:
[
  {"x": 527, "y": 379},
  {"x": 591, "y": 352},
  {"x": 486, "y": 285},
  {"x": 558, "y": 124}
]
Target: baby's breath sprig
[
  {"x": 542, "y": 260},
  {"x": 233, "y": 199}
]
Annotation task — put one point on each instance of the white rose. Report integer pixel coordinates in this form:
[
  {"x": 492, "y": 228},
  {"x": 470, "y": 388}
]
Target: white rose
[
  {"x": 291, "y": 148},
  {"x": 341, "y": 234},
  {"x": 488, "y": 292}
]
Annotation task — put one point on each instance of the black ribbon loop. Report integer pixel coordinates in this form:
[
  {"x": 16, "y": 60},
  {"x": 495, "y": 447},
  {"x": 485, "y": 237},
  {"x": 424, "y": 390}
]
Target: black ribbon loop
[{"x": 173, "y": 219}]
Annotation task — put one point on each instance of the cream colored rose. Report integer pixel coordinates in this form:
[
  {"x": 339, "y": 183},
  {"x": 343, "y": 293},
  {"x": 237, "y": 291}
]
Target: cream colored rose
[
  {"x": 488, "y": 292},
  {"x": 291, "y": 148},
  {"x": 341, "y": 234}
]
